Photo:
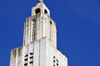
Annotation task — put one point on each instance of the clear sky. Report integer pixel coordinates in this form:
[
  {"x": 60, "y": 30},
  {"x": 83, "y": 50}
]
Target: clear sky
[{"x": 78, "y": 28}]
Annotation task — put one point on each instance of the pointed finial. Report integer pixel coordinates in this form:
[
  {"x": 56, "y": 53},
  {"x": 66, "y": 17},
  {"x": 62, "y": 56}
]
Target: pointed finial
[{"x": 40, "y": 1}]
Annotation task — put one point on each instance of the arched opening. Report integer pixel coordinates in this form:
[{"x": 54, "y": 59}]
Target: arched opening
[
  {"x": 45, "y": 11},
  {"x": 50, "y": 23},
  {"x": 37, "y": 10}
]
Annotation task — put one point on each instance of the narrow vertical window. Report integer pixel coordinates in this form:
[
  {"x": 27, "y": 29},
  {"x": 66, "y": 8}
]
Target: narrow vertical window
[
  {"x": 45, "y": 11},
  {"x": 50, "y": 30},
  {"x": 33, "y": 33}
]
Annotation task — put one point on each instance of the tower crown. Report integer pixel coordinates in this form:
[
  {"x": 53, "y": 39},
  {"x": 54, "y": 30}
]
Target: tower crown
[
  {"x": 39, "y": 25},
  {"x": 40, "y": 8}
]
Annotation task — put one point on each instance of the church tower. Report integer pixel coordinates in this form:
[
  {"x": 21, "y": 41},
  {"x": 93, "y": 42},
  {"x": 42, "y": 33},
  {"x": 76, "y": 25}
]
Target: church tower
[{"x": 39, "y": 41}]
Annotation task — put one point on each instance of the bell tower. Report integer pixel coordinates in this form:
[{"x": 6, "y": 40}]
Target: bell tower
[
  {"x": 39, "y": 41},
  {"x": 39, "y": 25}
]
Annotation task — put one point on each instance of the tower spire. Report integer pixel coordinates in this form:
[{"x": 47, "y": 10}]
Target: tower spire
[{"x": 40, "y": 1}]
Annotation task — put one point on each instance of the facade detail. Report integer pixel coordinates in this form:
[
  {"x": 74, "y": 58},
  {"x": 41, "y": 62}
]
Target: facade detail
[{"x": 39, "y": 41}]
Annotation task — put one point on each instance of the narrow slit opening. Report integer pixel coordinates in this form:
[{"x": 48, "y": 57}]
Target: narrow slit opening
[
  {"x": 53, "y": 60},
  {"x": 57, "y": 60},
  {"x": 31, "y": 57},
  {"x": 25, "y": 64},
  {"x": 31, "y": 53},
  {"x": 26, "y": 55},
  {"x": 25, "y": 59},
  {"x": 53, "y": 56},
  {"x": 31, "y": 62},
  {"x": 57, "y": 64}
]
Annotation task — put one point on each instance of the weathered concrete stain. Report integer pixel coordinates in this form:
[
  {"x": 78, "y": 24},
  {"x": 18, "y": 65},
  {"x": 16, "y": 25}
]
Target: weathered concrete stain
[
  {"x": 14, "y": 52},
  {"x": 19, "y": 50}
]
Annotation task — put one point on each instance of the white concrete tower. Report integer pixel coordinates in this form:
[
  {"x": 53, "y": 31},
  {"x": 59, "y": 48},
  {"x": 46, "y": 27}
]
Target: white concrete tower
[{"x": 39, "y": 42}]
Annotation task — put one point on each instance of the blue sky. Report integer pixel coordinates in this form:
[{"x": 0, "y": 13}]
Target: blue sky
[{"x": 78, "y": 28}]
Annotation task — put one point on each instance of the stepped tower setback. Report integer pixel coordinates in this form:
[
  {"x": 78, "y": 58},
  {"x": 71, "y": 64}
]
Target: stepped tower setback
[{"x": 39, "y": 41}]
